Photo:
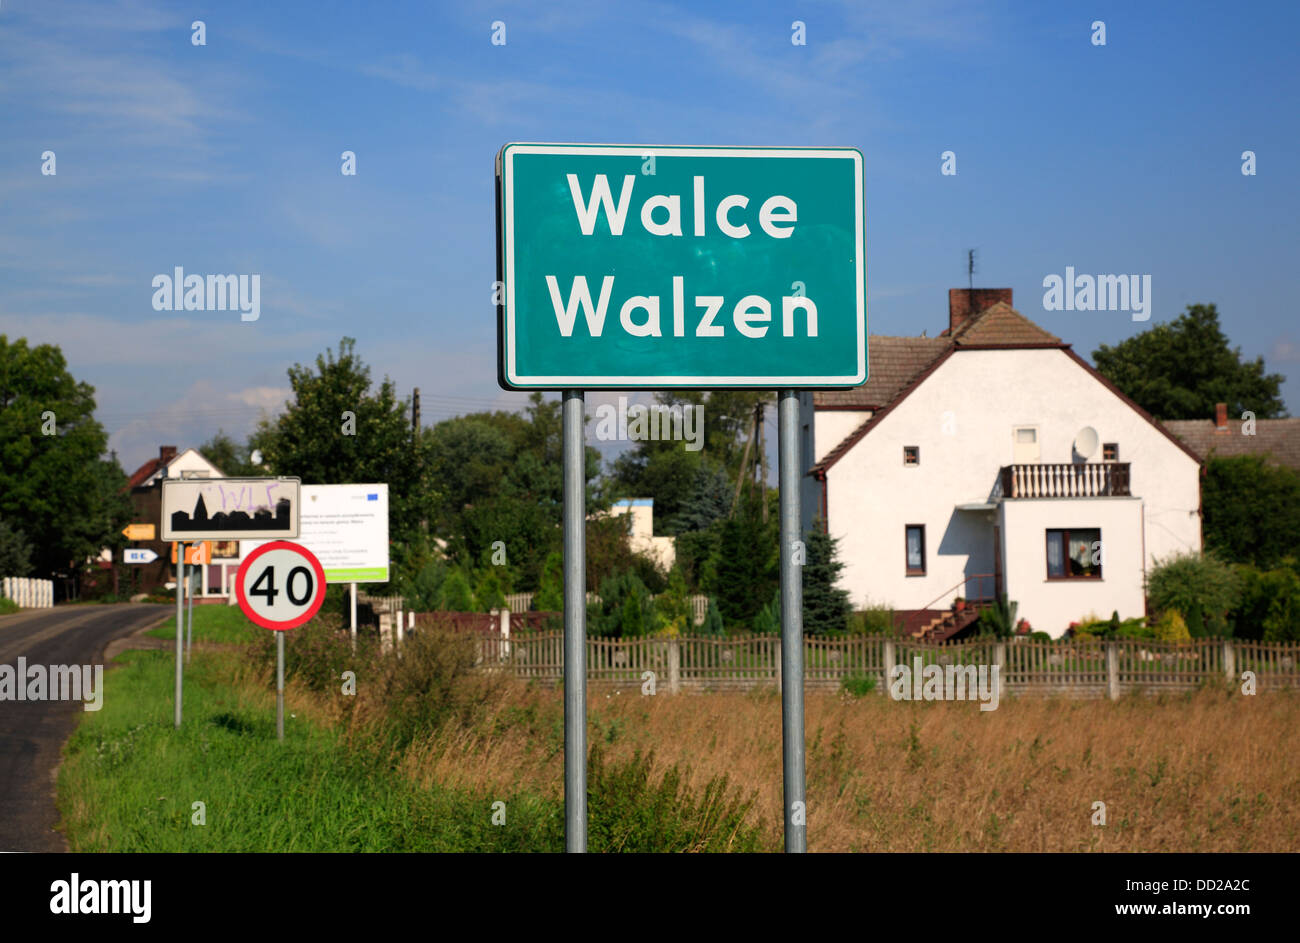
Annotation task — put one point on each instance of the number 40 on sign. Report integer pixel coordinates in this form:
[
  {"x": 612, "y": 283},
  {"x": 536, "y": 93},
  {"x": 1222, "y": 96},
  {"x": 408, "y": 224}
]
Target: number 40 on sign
[{"x": 280, "y": 585}]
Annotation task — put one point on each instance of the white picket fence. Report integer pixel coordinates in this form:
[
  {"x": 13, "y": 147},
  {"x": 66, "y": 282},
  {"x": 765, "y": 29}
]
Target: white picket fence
[{"x": 28, "y": 593}]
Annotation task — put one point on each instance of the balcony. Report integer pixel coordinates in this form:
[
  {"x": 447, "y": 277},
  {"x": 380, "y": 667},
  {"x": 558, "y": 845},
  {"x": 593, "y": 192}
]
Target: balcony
[{"x": 1065, "y": 480}]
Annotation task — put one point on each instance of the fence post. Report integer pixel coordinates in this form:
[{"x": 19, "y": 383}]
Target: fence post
[
  {"x": 775, "y": 649},
  {"x": 1229, "y": 660},
  {"x": 887, "y": 664},
  {"x": 1112, "y": 670},
  {"x": 674, "y": 666}
]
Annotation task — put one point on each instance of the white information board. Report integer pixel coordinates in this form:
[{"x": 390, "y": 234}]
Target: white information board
[{"x": 346, "y": 528}]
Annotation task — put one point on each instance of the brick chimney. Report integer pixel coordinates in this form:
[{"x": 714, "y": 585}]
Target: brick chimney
[
  {"x": 1220, "y": 417},
  {"x": 166, "y": 454},
  {"x": 966, "y": 303}
]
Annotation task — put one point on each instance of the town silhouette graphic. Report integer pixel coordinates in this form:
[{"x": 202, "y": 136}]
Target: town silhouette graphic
[{"x": 235, "y": 521}]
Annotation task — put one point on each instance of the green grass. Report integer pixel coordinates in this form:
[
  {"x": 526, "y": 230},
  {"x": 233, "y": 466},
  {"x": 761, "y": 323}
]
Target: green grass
[
  {"x": 213, "y": 624},
  {"x": 8, "y": 606},
  {"x": 129, "y": 780}
]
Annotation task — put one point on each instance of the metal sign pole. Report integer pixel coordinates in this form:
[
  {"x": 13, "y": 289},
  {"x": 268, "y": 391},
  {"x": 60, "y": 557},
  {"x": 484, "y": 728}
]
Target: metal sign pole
[
  {"x": 353, "y": 606},
  {"x": 180, "y": 627},
  {"x": 279, "y": 685},
  {"x": 792, "y": 725},
  {"x": 575, "y": 624},
  {"x": 189, "y": 618}
]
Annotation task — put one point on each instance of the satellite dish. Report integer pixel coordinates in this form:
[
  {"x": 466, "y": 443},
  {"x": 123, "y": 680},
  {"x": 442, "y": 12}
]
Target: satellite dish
[{"x": 1085, "y": 443}]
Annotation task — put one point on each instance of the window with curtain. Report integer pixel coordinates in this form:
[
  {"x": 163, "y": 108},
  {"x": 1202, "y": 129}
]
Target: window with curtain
[
  {"x": 915, "y": 549},
  {"x": 1074, "y": 553}
]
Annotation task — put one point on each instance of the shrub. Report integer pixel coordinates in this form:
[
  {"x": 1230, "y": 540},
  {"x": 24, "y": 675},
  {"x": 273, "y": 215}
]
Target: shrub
[
  {"x": 768, "y": 620},
  {"x": 712, "y": 620},
  {"x": 1200, "y": 586},
  {"x": 1040, "y": 637},
  {"x": 629, "y": 812},
  {"x": 874, "y": 619},
  {"x": 8, "y": 606},
  {"x": 1268, "y": 605},
  {"x": 1171, "y": 627},
  {"x": 998, "y": 619},
  {"x": 858, "y": 686}
]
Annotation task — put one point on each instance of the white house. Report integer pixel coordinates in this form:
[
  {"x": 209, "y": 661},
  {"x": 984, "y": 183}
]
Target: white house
[
  {"x": 993, "y": 459},
  {"x": 641, "y": 538}
]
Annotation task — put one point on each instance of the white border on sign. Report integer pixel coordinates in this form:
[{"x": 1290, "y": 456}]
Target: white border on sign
[{"x": 506, "y": 158}]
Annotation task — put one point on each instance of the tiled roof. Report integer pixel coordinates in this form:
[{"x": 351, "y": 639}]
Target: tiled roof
[
  {"x": 142, "y": 473},
  {"x": 1001, "y": 325},
  {"x": 1277, "y": 438},
  {"x": 894, "y": 362}
]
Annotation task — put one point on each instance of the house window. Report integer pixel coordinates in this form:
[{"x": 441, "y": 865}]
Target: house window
[
  {"x": 1110, "y": 452},
  {"x": 1074, "y": 554},
  {"x": 1025, "y": 442},
  {"x": 911, "y": 455},
  {"x": 915, "y": 549}
]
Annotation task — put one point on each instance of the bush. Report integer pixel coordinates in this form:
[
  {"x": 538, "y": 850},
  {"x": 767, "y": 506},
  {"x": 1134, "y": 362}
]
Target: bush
[
  {"x": 998, "y": 620},
  {"x": 713, "y": 620},
  {"x": 768, "y": 619},
  {"x": 1268, "y": 604},
  {"x": 1039, "y": 637},
  {"x": 1171, "y": 627},
  {"x": 1200, "y": 586},
  {"x": 629, "y": 812},
  {"x": 8, "y": 606},
  {"x": 872, "y": 620},
  {"x": 858, "y": 686}
]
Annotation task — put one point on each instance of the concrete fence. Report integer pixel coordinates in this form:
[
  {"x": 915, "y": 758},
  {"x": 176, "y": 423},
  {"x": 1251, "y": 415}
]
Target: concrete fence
[
  {"x": 1073, "y": 669},
  {"x": 28, "y": 593}
]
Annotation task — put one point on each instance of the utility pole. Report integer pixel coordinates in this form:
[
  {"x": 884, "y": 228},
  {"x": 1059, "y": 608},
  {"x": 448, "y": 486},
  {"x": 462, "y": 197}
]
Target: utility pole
[
  {"x": 415, "y": 416},
  {"x": 760, "y": 463}
]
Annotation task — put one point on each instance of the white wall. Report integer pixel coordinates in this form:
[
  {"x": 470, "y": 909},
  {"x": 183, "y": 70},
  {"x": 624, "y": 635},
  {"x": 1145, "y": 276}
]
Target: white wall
[
  {"x": 833, "y": 426},
  {"x": 1051, "y": 605},
  {"x": 962, "y": 418}
]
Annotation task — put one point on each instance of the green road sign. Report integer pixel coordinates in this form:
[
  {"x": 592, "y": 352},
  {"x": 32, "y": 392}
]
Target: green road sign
[{"x": 629, "y": 267}]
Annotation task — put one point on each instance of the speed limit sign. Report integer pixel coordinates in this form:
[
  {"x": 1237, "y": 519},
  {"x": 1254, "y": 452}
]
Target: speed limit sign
[{"x": 280, "y": 585}]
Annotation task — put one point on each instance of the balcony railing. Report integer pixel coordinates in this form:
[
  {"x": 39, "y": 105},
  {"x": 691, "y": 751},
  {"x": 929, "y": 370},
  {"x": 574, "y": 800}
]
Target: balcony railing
[{"x": 1064, "y": 480}]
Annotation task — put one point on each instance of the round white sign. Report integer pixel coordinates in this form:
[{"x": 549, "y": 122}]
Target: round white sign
[{"x": 280, "y": 585}]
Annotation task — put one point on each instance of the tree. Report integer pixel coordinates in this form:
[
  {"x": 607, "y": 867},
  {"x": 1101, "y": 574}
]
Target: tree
[
  {"x": 825, "y": 606},
  {"x": 229, "y": 456},
  {"x": 15, "y": 552},
  {"x": 1252, "y": 509},
  {"x": 1181, "y": 370},
  {"x": 742, "y": 573},
  {"x": 338, "y": 429},
  {"x": 55, "y": 486},
  {"x": 501, "y": 479}
]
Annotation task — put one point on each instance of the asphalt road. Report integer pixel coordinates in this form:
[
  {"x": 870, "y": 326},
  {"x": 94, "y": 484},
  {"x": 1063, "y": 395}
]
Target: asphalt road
[{"x": 32, "y": 732}]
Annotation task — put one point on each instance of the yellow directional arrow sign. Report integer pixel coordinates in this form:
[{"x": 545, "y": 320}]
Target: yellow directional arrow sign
[{"x": 139, "y": 531}]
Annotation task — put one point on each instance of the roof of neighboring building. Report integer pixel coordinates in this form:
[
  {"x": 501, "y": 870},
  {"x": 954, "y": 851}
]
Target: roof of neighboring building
[
  {"x": 1000, "y": 325},
  {"x": 900, "y": 364},
  {"x": 1278, "y": 439},
  {"x": 144, "y": 473},
  {"x": 894, "y": 362}
]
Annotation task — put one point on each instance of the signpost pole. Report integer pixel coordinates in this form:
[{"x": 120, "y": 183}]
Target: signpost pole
[
  {"x": 180, "y": 627},
  {"x": 279, "y": 685},
  {"x": 189, "y": 617},
  {"x": 792, "y": 723},
  {"x": 575, "y": 624},
  {"x": 353, "y": 607}
]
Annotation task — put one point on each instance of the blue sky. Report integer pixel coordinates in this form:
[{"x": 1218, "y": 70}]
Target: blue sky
[{"x": 226, "y": 158}]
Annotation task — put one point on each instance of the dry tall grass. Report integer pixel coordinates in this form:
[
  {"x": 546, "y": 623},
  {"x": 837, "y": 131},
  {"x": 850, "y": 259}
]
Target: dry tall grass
[{"x": 1204, "y": 771}]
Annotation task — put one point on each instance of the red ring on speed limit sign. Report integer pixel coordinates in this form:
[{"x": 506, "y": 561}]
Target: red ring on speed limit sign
[{"x": 304, "y": 615}]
